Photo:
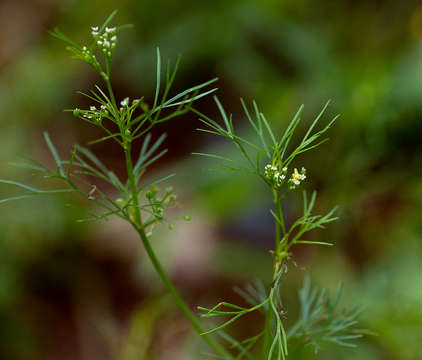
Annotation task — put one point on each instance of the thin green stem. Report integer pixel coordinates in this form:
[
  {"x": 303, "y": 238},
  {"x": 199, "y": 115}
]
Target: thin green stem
[
  {"x": 279, "y": 230},
  {"x": 109, "y": 87},
  {"x": 134, "y": 209},
  {"x": 269, "y": 314},
  {"x": 277, "y": 225},
  {"x": 177, "y": 298},
  {"x": 139, "y": 227},
  {"x": 279, "y": 211}
]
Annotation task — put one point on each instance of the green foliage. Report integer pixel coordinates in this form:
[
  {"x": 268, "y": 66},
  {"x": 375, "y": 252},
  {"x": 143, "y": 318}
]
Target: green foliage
[
  {"x": 138, "y": 202},
  {"x": 143, "y": 205},
  {"x": 306, "y": 223},
  {"x": 280, "y": 154},
  {"x": 133, "y": 121},
  {"x": 320, "y": 320}
]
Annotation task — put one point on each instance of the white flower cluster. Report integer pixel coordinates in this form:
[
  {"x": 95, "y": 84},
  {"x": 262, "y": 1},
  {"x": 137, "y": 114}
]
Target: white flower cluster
[
  {"x": 276, "y": 176},
  {"x": 106, "y": 41},
  {"x": 89, "y": 57},
  {"x": 124, "y": 104},
  {"x": 86, "y": 53},
  {"x": 93, "y": 114},
  {"x": 296, "y": 178}
]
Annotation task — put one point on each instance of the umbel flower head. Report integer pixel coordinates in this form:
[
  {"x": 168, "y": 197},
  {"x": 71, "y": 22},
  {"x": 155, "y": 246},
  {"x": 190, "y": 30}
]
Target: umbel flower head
[
  {"x": 106, "y": 41},
  {"x": 275, "y": 175},
  {"x": 93, "y": 115},
  {"x": 296, "y": 178}
]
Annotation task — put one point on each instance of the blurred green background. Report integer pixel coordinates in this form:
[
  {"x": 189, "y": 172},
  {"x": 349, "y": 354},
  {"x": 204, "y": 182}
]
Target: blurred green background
[{"x": 87, "y": 291}]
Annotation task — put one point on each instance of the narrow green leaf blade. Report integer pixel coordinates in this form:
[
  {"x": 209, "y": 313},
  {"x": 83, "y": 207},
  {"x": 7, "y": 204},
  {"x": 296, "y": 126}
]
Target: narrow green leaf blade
[
  {"x": 91, "y": 156},
  {"x": 54, "y": 152},
  {"x": 108, "y": 20},
  {"x": 223, "y": 114},
  {"x": 157, "y": 87}
]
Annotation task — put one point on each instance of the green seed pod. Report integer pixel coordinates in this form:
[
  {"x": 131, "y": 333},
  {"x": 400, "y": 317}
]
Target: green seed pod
[
  {"x": 105, "y": 76},
  {"x": 144, "y": 106},
  {"x": 187, "y": 218},
  {"x": 121, "y": 201}
]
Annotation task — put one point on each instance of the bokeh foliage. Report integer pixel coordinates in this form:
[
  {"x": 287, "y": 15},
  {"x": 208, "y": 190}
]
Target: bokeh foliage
[{"x": 70, "y": 290}]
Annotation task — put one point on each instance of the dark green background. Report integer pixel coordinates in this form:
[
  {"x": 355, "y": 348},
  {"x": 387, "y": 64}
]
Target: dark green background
[{"x": 86, "y": 291}]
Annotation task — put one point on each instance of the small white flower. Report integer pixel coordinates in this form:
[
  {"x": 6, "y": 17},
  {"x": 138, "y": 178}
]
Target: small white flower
[
  {"x": 284, "y": 169},
  {"x": 125, "y": 102},
  {"x": 296, "y": 178},
  {"x": 103, "y": 107},
  {"x": 273, "y": 174},
  {"x": 296, "y": 175},
  {"x": 94, "y": 28},
  {"x": 92, "y": 108}
]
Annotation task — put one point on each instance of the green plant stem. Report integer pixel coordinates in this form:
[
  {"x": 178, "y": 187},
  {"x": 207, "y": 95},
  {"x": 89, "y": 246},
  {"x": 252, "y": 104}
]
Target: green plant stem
[
  {"x": 134, "y": 208},
  {"x": 108, "y": 84},
  {"x": 178, "y": 299},
  {"x": 267, "y": 332},
  {"x": 136, "y": 220},
  {"x": 139, "y": 227},
  {"x": 279, "y": 228}
]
